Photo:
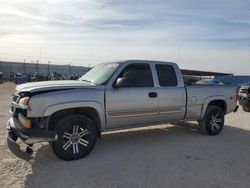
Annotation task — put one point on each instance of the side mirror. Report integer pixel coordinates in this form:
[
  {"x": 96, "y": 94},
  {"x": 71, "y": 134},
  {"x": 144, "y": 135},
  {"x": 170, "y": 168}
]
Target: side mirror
[{"x": 121, "y": 82}]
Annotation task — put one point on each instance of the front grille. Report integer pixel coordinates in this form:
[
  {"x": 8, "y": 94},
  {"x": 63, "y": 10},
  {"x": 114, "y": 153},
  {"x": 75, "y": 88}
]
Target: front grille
[
  {"x": 14, "y": 109},
  {"x": 11, "y": 108},
  {"x": 15, "y": 97}
]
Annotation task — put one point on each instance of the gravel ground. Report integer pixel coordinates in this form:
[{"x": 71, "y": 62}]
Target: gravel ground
[{"x": 163, "y": 156}]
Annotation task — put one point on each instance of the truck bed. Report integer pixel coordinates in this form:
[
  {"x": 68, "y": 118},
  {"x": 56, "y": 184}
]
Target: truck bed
[{"x": 198, "y": 97}]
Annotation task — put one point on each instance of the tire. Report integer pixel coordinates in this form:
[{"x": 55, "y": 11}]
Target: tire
[
  {"x": 246, "y": 109},
  {"x": 213, "y": 121},
  {"x": 76, "y": 137}
]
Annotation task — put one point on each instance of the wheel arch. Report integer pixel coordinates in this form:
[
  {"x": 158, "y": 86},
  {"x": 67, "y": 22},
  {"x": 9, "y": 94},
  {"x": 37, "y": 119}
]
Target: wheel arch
[
  {"x": 214, "y": 101},
  {"x": 89, "y": 111}
]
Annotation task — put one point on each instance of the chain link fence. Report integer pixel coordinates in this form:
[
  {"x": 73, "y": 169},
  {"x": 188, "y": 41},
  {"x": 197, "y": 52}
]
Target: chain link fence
[{"x": 8, "y": 68}]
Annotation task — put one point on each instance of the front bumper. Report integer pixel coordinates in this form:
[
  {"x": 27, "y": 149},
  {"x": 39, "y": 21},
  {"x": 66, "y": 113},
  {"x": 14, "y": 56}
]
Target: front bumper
[{"x": 28, "y": 136}]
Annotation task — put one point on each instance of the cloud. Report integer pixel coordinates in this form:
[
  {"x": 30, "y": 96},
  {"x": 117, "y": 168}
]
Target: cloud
[{"x": 116, "y": 27}]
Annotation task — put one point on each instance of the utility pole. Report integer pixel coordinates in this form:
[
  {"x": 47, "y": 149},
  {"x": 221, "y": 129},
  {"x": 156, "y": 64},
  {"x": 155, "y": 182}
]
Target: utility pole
[
  {"x": 40, "y": 54},
  {"x": 48, "y": 67},
  {"x": 24, "y": 68},
  {"x": 69, "y": 68},
  {"x": 37, "y": 66}
]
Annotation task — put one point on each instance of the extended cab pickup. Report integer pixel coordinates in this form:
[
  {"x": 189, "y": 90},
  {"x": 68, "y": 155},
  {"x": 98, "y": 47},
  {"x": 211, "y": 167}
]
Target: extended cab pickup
[{"x": 71, "y": 115}]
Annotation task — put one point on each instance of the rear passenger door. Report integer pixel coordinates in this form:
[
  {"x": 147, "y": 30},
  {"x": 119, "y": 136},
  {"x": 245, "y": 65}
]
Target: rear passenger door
[{"x": 172, "y": 95}]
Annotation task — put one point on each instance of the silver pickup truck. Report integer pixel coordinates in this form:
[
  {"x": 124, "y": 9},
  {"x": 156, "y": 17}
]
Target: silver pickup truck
[{"x": 71, "y": 115}]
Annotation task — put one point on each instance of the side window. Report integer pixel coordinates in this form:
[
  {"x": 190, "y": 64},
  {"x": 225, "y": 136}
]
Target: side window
[
  {"x": 137, "y": 75},
  {"x": 166, "y": 75}
]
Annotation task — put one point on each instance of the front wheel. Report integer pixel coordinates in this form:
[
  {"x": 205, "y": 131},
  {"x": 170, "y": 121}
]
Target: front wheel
[
  {"x": 213, "y": 121},
  {"x": 76, "y": 137}
]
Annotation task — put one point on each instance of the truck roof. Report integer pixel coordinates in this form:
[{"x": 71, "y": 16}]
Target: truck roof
[{"x": 141, "y": 61}]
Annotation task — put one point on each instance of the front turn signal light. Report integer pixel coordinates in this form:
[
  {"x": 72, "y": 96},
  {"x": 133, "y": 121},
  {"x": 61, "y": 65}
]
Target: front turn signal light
[{"x": 25, "y": 122}]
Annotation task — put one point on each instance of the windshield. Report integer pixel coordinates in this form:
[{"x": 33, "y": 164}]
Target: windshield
[{"x": 100, "y": 74}]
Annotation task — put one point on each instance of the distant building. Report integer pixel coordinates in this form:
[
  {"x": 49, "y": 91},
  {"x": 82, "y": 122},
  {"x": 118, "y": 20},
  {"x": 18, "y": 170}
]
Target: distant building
[{"x": 233, "y": 79}]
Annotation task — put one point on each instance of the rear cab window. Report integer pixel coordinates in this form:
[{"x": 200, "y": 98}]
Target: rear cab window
[{"x": 166, "y": 75}]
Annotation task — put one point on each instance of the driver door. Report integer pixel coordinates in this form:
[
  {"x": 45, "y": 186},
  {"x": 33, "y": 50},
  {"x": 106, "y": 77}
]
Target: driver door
[{"x": 134, "y": 103}]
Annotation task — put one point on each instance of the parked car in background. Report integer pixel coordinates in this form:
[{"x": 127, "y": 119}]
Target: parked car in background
[
  {"x": 74, "y": 77},
  {"x": 21, "y": 78},
  {"x": 127, "y": 94},
  {"x": 244, "y": 97},
  {"x": 1, "y": 77},
  {"x": 209, "y": 82}
]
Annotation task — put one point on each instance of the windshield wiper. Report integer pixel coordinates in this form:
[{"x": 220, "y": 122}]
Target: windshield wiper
[{"x": 89, "y": 81}]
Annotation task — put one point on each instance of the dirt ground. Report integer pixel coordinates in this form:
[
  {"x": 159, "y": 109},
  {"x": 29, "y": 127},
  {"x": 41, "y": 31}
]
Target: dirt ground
[{"x": 163, "y": 156}]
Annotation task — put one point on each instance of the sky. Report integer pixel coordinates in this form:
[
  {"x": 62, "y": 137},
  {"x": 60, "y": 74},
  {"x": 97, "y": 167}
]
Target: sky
[{"x": 211, "y": 35}]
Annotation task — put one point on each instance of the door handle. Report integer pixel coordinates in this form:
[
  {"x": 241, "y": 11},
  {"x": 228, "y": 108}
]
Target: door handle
[{"x": 152, "y": 94}]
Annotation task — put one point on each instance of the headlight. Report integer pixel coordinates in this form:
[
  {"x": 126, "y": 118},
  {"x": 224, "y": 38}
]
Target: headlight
[{"x": 24, "y": 100}]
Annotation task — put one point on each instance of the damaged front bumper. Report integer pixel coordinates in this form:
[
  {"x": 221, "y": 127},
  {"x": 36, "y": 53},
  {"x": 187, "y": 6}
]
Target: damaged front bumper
[{"x": 28, "y": 135}]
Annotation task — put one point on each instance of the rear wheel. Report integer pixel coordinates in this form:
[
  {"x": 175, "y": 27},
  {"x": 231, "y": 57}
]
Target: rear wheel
[
  {"x": 213, "y": 121},
  {"x": 76, "y": 137}
]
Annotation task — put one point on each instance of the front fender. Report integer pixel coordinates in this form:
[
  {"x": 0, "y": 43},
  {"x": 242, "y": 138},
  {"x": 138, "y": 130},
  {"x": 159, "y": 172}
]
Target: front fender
[{"x": 77, "y": 104}]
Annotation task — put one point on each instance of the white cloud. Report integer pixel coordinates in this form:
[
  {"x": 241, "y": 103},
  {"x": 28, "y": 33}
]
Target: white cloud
[{"x": 91, "y": 30}]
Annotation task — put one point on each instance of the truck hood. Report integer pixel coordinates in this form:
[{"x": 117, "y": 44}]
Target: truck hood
[{"x": 53, "y": 85}]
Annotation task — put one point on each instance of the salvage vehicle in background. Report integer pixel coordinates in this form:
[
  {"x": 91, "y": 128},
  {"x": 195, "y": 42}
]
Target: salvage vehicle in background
[
  {"x": 209, "y": 82},
  {"x": 1, "y": 77},
  {"x": 71, "y": 115},
  {"x": 244, "y": 97}
]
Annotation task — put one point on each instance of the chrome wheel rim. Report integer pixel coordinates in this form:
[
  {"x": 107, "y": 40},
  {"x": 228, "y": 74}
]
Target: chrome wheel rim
[
  {"x": 75, "y": 139},
  {"x": 215, "y": 122}
]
